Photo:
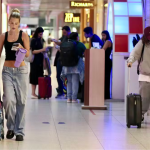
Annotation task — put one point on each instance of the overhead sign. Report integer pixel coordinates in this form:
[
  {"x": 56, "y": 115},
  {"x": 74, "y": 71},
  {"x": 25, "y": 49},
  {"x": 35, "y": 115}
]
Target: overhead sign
[
  {"x": 72, "y": 17},
  {"x": 81, "y": 4}
]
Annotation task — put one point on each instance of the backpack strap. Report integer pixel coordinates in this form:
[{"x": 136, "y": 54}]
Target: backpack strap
[{"x": 141, "y": 58}]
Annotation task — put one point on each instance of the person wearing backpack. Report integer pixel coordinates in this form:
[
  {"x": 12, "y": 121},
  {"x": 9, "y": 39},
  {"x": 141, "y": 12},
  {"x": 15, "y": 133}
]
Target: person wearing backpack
[
  {"x": 66, "y": 32},
  {"x": 141, "y": 52},
  {"x": 73, "y": 66}
]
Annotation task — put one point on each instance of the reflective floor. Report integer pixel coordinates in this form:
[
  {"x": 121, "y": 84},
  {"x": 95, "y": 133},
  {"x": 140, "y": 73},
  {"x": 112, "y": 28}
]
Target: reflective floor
[{"x": 55, "y": 125}]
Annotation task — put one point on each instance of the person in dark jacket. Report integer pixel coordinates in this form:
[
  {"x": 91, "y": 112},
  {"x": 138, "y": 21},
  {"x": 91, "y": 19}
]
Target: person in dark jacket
[{"x": 64, "y": 38}]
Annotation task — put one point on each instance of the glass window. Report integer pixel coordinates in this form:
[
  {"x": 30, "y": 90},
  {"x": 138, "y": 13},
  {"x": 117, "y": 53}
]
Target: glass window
[
  {"x": 121, "y": 25},
  {"x": 135, "y": 9},
  {"x": 120, "y": 8},
  {"x": 131, "y": 41}
]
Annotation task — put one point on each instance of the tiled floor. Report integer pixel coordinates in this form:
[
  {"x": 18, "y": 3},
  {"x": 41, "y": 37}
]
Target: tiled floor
[{"x": 82, "y": 130}]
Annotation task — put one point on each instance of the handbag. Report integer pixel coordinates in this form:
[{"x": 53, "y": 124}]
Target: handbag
[{"x": 30, "y": 58}]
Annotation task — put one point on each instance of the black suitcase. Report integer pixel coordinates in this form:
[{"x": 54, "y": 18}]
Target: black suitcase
[{"x": 134, "y": 108}]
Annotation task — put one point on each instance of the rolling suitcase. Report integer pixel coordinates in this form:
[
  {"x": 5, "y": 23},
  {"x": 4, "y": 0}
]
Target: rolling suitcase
[
  {"x": 1, "y": 121},
  {"x": 134, "y": 108},
  {"x": 45, "y": 88}
]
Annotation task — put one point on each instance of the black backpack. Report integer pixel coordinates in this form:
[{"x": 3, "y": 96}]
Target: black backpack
[
  {"x": 68, "y": 54},
  {"x": 135, "y": 40}
]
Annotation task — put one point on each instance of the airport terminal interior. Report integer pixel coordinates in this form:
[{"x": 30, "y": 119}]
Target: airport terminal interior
[{"x": 96, "y": 123}]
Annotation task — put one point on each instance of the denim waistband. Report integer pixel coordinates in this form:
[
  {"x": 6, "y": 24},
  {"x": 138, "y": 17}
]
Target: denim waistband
[{"x": 15, "y": 69}]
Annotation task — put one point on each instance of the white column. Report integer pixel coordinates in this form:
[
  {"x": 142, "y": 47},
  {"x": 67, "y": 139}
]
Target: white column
[{"x": 147, "y": 12}]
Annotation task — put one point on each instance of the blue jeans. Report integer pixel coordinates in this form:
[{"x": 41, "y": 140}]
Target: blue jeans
[
  {"x": 15, "y": 84},
  {"x": 72, "y": 86},
  {"x": 60, "y": 82}
]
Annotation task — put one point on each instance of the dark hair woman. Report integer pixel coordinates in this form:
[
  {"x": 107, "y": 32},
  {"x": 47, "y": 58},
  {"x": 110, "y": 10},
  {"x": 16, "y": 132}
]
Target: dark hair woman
[
  {"x": 108, "y": 62},
  {"x": 144, "y": 68},
  {"x": 36, "y": 67},
  {"x": 76, "y": 73},
  {"x": 15, "y": 80}
]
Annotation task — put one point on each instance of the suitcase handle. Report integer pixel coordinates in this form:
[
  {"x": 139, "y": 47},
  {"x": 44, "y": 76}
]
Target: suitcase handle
[{"x": 129, "y": 79}]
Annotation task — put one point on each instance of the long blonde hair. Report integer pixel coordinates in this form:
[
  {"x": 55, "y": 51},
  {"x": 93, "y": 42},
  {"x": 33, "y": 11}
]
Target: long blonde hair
[{"x": 15, "y": 13}]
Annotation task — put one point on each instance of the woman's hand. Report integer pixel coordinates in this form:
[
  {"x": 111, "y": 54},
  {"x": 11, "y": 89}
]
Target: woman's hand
[
  {"x": 46, "y": 49},
  {"x": 129, "y": 64},
  {"x": 19, "y": 46}
]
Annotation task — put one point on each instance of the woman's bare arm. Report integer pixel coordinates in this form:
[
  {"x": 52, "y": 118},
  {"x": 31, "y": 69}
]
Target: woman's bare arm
[
  {"x": 2, "y": 38},
  {"x": 107, "y": 45},
  {"x": 26, "y": 43},
  {"x": 39, "y": 51}
]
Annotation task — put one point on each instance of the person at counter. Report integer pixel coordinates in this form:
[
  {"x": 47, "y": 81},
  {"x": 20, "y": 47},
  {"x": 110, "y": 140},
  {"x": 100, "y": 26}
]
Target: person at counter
[
  {"x": 95, "y": 39},
  {"x": 108, "y": 62}
]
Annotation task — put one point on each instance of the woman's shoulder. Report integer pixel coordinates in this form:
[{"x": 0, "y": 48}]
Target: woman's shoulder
[
  {"x": 2, "y": 36},
  {"x": 24, "y": 34},
  {"x": 109, "y": 41}
]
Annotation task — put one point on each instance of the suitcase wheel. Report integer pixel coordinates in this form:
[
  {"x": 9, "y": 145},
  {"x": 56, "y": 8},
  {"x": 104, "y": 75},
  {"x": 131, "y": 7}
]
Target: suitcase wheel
[
  {"x": 2, "y": 136},
  {"x": 139, "y": 126},
  {"x": 39, "y": 97},
  {"x": 128, "y": 125}
]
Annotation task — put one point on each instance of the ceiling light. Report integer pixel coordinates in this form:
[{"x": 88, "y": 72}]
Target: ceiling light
[{"x": 106, "y": 5}]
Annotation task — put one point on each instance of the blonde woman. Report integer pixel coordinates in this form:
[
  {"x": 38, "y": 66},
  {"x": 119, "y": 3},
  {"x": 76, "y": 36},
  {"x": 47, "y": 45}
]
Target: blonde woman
[{"x": 15, "y": 80}]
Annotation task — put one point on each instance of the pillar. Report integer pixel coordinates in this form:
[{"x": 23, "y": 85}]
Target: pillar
[
  {"x": 147, "y": 13},
  {"x": 82, "y": 25},
  {"x": 1, "y": 17},
  {"x": 123, "y": 16}
]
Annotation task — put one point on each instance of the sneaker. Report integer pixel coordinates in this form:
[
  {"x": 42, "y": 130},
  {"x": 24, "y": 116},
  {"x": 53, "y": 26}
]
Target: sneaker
[
  {"x": 19, "y": 138},
  {"x": 10, "y": 134},
  {"x": 59, "y": 95},
  {"x": 34, "y": 97},
  {"x": 69, "y": 101},
  {"x": 74, "y": 101}
]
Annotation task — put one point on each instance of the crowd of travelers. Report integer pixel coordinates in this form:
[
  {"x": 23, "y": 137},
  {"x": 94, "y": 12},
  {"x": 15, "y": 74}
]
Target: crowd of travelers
[{"x": 69, "y": 65}]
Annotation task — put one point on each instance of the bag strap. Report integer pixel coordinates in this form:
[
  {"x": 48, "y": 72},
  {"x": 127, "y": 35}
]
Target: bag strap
[
  {"x": 6, "y": 36},
  {"x": 141, "y": 58},
  {"x": 20, "y": 34}
]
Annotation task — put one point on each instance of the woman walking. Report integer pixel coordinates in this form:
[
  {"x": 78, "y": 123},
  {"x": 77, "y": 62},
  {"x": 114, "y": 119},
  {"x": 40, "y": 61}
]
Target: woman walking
[
  {"x": 144, "y": 68},
  {"x": 15, "y": 80}
]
